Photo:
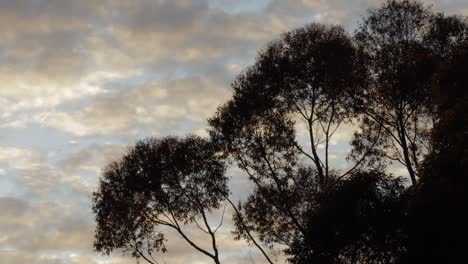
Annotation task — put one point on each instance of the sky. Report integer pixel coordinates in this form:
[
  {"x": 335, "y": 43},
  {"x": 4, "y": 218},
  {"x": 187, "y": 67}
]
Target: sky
[{"x": 81, "y": 80}]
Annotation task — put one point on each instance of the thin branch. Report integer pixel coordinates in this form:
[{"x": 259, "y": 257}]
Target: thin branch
[
  {"x": 191, "y": 243},
  {"x": 244, "y": 166},
  {"x": 199, "y": 227},
  {"x": 336, "y": 128},
  {"x": 302, "y": 151},
  {"x": 380, "y": 122},
  {"x": 142, "y": 255},
  {"x": 158, "y": 221},
  {"x": 168, "y": 218},
  {"x": 247, "y": 230},
  {"x": 304, "y": 115},
  {"x": 317, "y": 161},
  {"x": 213, "y": 237},
  {"x": 363, "y": 156},
  {"x": 222, "y": 219}
]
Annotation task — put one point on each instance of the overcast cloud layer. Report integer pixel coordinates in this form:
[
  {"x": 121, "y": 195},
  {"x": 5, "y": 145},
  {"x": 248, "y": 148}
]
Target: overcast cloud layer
[{"x": 82, "y": 80}]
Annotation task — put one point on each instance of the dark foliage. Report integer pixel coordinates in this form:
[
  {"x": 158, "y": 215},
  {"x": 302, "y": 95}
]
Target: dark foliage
[
  {"x": 437, "y": 225},
  {"x": 310, "y": 75},
  {"x": 159, "y": 182},
  {"x": 356, "y": 220},
  {"x": 405, "y": 43}
]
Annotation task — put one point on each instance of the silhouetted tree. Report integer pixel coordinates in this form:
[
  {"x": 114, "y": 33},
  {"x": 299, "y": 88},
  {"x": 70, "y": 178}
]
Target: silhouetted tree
[
  {"x": 437, "y": 228},
  {"x": 445, "y": 35},
  {"x": 170, "y": 182},
  {"x": 310, "y": 76},
  {"x": 355, "y": 220},
  {"x": 404, "y": 42},
  {"x": 167, "y": 182},
  {"x": 315, "y": 74}
]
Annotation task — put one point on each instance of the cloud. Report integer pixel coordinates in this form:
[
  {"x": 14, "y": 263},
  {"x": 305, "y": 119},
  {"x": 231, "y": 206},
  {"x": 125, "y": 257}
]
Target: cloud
[
  {"x": 159, "y": 107},
  {"x": 59, "y": 55},
  {"x": 91, "y": 159},
  {"x": 44, "y": 232},
  {"x": 12, "y": 207},
  {"x": 49, "y": 226},
  {"x": 18, "y": 158}
]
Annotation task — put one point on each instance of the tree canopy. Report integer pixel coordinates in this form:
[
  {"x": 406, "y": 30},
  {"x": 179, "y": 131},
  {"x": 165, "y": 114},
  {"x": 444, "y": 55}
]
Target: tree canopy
[
  {"x": 404, "y": 43},
  {"x": 159, "y": 182},
  {"x": 356, "y": 221}
]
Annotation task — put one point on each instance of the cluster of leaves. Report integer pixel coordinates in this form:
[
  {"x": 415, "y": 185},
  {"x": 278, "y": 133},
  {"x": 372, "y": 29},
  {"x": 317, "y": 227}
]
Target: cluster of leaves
[
  {"x": 356, "y": 220},
  {"x": 437, "y": 218},
  {"x": 310, "y": 75},
  {"x": 405, "y": 44},
  {"x": 159, "y": 182}
]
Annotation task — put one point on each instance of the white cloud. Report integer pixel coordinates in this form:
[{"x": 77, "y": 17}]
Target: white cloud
[
  {"x": 19, "y": 158},
  {"x": 159, "y": 106}
]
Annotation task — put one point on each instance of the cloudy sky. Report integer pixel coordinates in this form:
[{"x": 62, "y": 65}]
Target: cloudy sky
[{"x": 81, "y": 80}]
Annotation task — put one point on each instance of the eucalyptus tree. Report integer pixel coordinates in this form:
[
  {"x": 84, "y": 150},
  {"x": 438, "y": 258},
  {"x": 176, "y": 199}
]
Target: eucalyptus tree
[
  {"x": 159, "y": 183},
  {"x": 437, "y": 227},
  {"x": 320, "y": 77},
  {"x": 312, "y": 76},
  {"x": 404, "y": 43}
]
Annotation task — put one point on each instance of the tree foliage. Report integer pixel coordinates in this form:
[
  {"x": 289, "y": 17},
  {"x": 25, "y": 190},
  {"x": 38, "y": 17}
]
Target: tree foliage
[
  {"x": 404, "y": 43},
  {"x": 356, "y": 220},
  {"x": 437, "y": 227},
  {"x": 308, "y": 76},
  {"x": 159, "y": 182}
]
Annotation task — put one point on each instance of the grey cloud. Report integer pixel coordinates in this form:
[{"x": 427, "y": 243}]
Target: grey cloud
[
  {"x": 158, "y": 33},
  {"x": 11, "y": 207},
  {"x": 321, "y": 11},
  {"x": 118, "y": 37},
  {"x": 160, "y": 107},
  {"x": 45, "y": 180},
  {"x": 36, "y": 176},
  {"x": 346, "y": 14},
  {"x": 91, "y": 158},
  {"x": 161, "y": 16},
  {"x": 46, "y": 226},
  {"x": 458, "y": 7}
]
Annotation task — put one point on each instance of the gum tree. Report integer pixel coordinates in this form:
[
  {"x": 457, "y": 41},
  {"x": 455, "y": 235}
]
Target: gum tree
[
  {"x": 404, "y": 43},
  {"x": 159, "y": 183},
  {"x": 311, "y": 76}
]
